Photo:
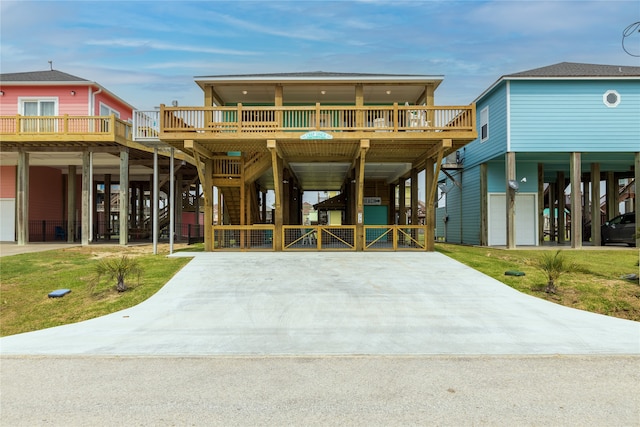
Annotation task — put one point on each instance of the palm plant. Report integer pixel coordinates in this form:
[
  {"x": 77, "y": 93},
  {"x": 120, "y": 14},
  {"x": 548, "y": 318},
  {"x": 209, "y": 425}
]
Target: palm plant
[
  {"x": 118, "y": 269},
  {"x": 553, "y": 266}
]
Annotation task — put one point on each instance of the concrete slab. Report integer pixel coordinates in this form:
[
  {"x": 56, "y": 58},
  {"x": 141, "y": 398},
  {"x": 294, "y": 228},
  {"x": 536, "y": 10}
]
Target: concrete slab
[{"x": 333, "y": 303}]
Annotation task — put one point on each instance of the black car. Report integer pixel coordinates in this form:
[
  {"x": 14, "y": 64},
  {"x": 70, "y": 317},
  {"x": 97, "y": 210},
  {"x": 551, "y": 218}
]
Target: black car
[{"x": 621, "y": 229}]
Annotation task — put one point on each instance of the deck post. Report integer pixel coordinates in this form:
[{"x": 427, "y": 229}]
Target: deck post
[
  {"x": 207, "y": 189},
  {"x": 596, "y": 220},
  {"x": 22, "y": 198},
  {"x": 429, "y": 205},
  {"x": 276, "y": 163},
  {"x": 123, "y": 215},
  {"x": 552, "y": 211},
  {"x": 85, "y": 231},
  {"x": 637, "y": 199},
  {"x": 402, "y": 199},
  {"x": 540, "y": 204},
  {"x": 613, "y": 191},
  {"x": 155, "y": 211},
  {"x": 510, "y": 161},
  {"x": 576, "y": 201},
  {"x": 562, "y": 205},
  {"x": 71, "y": 203},
  {"x": 360, "y": 238},
  {"x": 107, "y": 206},
  {"x": 414, "y": 197}
]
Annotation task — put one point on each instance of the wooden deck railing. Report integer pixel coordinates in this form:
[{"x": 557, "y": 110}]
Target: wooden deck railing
[
  {"x": 62, "y": 127},
  {"x": 244, "y": 119}
]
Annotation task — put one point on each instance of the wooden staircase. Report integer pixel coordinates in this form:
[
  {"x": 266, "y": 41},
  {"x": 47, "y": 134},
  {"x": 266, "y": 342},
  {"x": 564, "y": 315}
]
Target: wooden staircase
[{"x": 231, "y": 203}]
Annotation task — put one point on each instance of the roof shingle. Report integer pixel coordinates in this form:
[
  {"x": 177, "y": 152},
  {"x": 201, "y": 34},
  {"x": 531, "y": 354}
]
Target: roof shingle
[{"x": 41, "y": 76}]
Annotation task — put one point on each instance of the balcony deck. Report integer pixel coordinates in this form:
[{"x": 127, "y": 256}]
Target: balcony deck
[
  {"x": 244, "y": 125},
  {"x": 69, "y": 131}
]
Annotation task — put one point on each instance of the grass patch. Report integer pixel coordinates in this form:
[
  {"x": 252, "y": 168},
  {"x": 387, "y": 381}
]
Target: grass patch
[
  {"x": 593, "y": 283},
  {"x": 27, "y": 280}
]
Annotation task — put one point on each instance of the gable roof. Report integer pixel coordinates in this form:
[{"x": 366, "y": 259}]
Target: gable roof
[
  {"x": 52, "y": 78},
  {"x": 570, "y": 71},
  {"x": 314, "y": 75},
  {"x": 40, "y": 76},
  {"x": 573, "y": 69}
]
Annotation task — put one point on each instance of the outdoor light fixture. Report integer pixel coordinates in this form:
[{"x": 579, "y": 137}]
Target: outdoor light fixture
[
  {"x": 1, "y": 93},
  {"x": 513, "y": 184},
  {"x": 244, "y": 92},
  {"x": 73, "y": 93},
  {"x": 323, "y": 92},
  {"x": 388, "y": 92}
]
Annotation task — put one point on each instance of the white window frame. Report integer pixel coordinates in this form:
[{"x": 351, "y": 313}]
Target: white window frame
[
  {"x": 111, "y": 110},
  {"x": 484, "y": 121},
  {"x": 38, "y": 126},
  {"x": 38, "y": 99}
]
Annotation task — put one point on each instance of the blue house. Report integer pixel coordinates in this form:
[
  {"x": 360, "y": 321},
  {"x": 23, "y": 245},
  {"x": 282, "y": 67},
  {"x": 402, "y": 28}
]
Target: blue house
[{"x": 555, "y": 147}]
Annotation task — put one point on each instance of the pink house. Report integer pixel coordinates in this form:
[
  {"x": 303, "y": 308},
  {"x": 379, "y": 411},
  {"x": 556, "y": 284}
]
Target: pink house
[{"x": 69, "y": 167}]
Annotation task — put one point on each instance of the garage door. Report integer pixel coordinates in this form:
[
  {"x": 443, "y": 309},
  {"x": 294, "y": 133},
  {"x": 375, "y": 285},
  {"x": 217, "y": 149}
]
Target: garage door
[
  {"x": 7, "y": 220},
  {"x": 526, "y": 228}
]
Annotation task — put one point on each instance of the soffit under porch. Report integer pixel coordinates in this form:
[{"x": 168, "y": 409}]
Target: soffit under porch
[
  {"x": 318, "y": 87},
  {"x": 104, "y": 162},
  {"x": 325, "y": 165}
]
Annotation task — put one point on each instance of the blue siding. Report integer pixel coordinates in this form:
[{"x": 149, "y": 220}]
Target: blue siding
[
  {"x": 496, "y": 176},
  {"x": 564, "y": 116},
  {"x": 471, "y": 206},
  {"x": 454, "y": 213},
  {"x": 478, "y": 152},
  {"x": 463, "y": 208}
]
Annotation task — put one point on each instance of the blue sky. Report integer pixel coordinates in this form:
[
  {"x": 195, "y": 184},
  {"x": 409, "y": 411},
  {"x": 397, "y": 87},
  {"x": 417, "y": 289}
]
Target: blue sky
[{"x": 148, "y": 52}]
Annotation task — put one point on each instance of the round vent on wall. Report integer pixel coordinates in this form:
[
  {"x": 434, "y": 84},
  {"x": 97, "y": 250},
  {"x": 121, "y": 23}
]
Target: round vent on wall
[{"x": 611, "y": 98}]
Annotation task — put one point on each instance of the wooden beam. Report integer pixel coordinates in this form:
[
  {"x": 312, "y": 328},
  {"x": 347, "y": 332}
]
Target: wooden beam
[
  {"x": 510, "y": 175},
  {"x": 576, "y": 201},
  {"x": 198, "y": 148},
  {"x": 595, "y": 204},
  {"x": 562, "y": 204},
  {"x": 433, "y": 151},
  {"x": 636, "y": 207},
  {"x": 86, "y": 202},
  {"x": 123, "y": 215},
  {"x": 207, "y": 189},
  {"x": 71, "y": 202},
  {"x": 540, "y": 214},
  {"x": 22, "y": 198},
  {"x": 360, "y": 238},
  {"x": 276, "y": 164}
]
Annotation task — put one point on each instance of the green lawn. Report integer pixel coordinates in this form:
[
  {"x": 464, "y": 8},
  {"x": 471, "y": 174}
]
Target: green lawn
[
  {"x": 594, "y": 284},
  {"x": 26, "y": 280}
]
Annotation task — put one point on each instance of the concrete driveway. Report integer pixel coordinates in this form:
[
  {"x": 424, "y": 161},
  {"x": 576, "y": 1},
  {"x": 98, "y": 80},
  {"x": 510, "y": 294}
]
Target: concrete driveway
[{"x": 333, "y": 303}]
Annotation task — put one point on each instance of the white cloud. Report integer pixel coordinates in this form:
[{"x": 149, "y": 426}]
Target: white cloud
[{"x": 150, "y": 44}]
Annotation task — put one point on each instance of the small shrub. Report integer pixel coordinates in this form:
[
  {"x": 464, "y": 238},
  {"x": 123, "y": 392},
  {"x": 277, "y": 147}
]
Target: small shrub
[
  {"x": 553, "y": 266},
  {"x": 118, "y": 269}
]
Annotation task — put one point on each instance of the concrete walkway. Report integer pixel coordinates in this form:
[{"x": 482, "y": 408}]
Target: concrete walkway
[{"x": 334, "y": 303}]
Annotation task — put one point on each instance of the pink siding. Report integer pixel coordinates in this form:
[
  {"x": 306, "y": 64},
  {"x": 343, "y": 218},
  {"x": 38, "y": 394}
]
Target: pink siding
[
  {"x": 190, "y": 218},
  {"x": 111, "y": 102},
  {"x": 74, "y": 105},
  {"x": 45, "y": 193},
  {"x": 7, "y": 182}
]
